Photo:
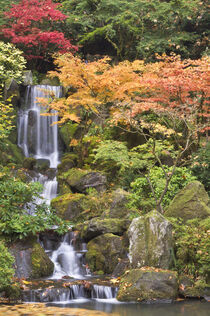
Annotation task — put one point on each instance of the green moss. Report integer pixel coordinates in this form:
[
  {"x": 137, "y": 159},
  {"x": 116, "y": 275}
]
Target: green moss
[
  {"x": 68, "y": 161},
  {"x": 42, "y": 266},
  {"x": 13, "y": 292},
  {"x": 29, "y": 163},
  {"x": 67, "y": 132}
]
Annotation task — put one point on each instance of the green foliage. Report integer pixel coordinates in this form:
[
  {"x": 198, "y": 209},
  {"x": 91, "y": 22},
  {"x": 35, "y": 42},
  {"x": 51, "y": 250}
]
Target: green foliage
[
  {"x": 12, "y": 63},
  {"x": 142, "y": 197},
  {"x": 192, "y": 244},
  {"x": 137, "y": 29},
  {"x": 6, "y": 270},
  {"x": 201, "y": 165},
  {"x": 6, "y": 119},
  {"x": 20, "y": 212},
  {"x": 4, "y": 5}
]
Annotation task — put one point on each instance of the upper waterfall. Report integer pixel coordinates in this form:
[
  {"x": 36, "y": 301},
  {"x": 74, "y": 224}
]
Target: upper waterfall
[{"x": 37, "y": 136}]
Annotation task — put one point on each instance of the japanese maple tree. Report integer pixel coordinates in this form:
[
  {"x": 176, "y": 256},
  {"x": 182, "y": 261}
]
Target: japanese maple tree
[{"x": 31, "y": 26}]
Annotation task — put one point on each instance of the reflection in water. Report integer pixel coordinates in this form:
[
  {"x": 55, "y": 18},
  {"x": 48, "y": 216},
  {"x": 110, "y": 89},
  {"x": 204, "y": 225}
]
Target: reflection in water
[{"x": 189, "y": 308}]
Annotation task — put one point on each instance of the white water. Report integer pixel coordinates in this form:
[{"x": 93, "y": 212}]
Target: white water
[
  {"x": 66, "y": 260},
  {"x": 38, "y": 135}
]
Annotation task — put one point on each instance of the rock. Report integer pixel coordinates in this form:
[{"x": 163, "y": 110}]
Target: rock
[
  {"x": 27, "y": 78},
  {"x": 103, "y": 253},
  {"x": 29, "y": 163},
  {"x": 31, "y": 260},
  {"x": 192, "y": 289},
  {"x": 118, "y": 207},
  {"x": 11, "y": 89},
  {"x": 68, "y": 162},
  {"x": 69, "y": 206},
  {"x": 66, "y": 133},
  {"x": 97, "y": 226},
  {"x": 150, "y": 239},
  {"x": 191, "y": 202},
  {"x": 121, "y": 267},
  {"x": 80, "y": 180},
  {"x": 147, "y": 285},
  {"x": 42, "y": 164},
  {"x": 77, "y": 207}
]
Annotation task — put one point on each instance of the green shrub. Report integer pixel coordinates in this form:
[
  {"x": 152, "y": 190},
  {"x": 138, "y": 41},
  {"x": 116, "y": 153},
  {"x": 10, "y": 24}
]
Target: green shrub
[
  {"x": 201, "y": 166},
  {"x": 6, "y": 270},
  {"x": 12, "y": 63},
  {"x": 192, "y": 247},
  {"x": 141, "y": 195},
  {"x": 21, "y": 213}
]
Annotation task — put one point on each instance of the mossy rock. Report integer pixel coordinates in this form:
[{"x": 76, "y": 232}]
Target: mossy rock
[
  {"x": 148, "y": 284},
  {"x": 67, "y": 132},
  {"x": 151, "y": 242},
  {"x": 97, "y": 226},
  {"x": 190, "y": 288},
  {"x": 191, "y": 202},
  {"x": 80, "y": 180},
  {"x": 42, "y": 266},
  {"x": 31, "y": 261},
  {"x": 103, "y": 253},
  {"x": 11, "y": 154},
  {"x": 77, "y": 207},
  {"x": 29, "y": 163},
  {"x": 68, "y": 162}
]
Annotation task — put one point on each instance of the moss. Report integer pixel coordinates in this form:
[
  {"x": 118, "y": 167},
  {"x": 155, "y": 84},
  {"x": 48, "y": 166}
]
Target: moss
[
  {"x": 68, "y": 161},
  {"x": 67, "y": 132},
  {"x": 103, "y": 253},
  {"x": 191, "y": 202},
  {"x": 42, "y": 266},
  {"x": 147, "y": 284},
  {"x": 29, "y": 163},
  {"x": 11, "y": 154},
  {"x": 13, "y": 292}
]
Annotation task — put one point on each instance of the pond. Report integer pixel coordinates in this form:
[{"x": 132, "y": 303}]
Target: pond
[{"x": 114, "y": 308}]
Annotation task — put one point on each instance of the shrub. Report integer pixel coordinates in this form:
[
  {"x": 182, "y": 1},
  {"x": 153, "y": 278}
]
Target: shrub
[
  {"x": 12, "y": 63},
  {"x": 6, "y": 270}
]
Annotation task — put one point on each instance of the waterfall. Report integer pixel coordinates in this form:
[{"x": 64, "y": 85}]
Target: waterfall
[{"x": 37, "y": 136}]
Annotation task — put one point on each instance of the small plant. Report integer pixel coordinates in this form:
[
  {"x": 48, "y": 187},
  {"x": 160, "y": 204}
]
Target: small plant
[{"x": 6, "y": 270}]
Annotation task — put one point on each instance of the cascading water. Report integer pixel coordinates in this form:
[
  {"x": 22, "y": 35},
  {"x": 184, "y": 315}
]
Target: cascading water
[
  {"x": 38, "y": 135},
  {"x": 38, "y": 138}
]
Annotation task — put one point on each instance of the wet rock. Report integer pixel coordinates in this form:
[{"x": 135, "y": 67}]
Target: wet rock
[
  {"x": 31, "y": 260},
  {"x": 118, "y": 208},
  {"x": 150, "y": 239},
  {"x": 148, "y": 285},
  {"x": 29, "y": 163},
  {"x": 121, "y": 267},
  {"x": 97, "y": 226},
  {"x": 103, "y": 253},
  {"x": 191, "y": 202}
]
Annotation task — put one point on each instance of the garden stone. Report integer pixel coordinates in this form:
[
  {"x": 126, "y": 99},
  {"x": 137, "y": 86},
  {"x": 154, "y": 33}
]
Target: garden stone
[
  {"x": 191, "y": 202},
  {"x": 150, "y": 241}
]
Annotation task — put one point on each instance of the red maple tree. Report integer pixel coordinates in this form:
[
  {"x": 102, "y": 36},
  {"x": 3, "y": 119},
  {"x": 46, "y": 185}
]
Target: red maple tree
[{"x": 31, "y": 26}]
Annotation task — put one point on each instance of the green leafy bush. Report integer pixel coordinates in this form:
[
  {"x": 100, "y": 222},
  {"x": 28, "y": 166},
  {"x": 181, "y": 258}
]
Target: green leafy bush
[
  {"x": 201, "y": 166},
  {"x": 6, "y": 270},
  {"x": 192, "y": 244},
  {"x": 12, "y": 63},
  {"x": 141, "y": 195},
  {"x": 20, "y": 212}
]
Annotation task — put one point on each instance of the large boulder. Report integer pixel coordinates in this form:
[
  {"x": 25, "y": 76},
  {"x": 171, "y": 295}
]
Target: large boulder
[
  {"x": 150, "y": 239},
  {"x": 191, "y": 202},
  {"x": 147, "y": 284},
  {"x": 80, "y": 180},
  {"x": 104, "y": 252},
  {"x": 31, "y": 260},
  {"x": 96, "y": 226},
  {"x": 77, "y": 207}
]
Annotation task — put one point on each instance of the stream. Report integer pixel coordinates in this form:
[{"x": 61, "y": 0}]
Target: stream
[{"x": 38, "y": 138}]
